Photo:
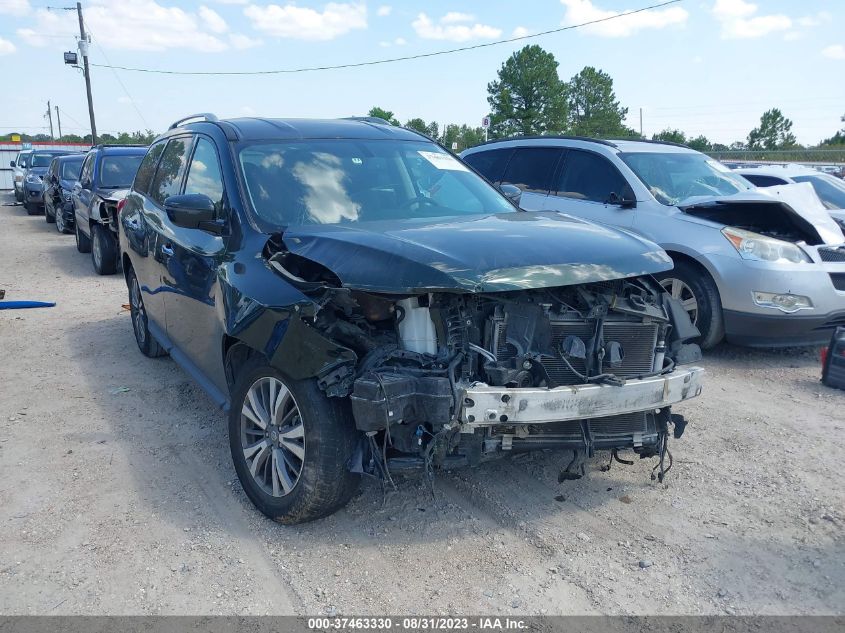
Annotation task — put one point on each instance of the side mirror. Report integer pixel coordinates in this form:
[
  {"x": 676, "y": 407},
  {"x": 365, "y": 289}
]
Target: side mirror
[
  {"x": 192, "y": 211},
  {"x": 511, "y": 192},
  {"x": 11, "y": 163},
  {"x": 625, "y": 201},
  {"x": 85, "y": 184}
]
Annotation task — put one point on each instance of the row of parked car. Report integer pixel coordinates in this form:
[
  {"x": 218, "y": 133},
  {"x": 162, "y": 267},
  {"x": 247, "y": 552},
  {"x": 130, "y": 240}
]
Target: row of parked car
[
  {"x": 361, "y": 301},
  {"x": 79, "y": 192}
]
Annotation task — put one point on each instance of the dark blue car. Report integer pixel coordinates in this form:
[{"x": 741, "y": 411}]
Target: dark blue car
[
  {"x": 33, "y": 184},
  {"x": 58, "y": 184},
  {"x": 362, "y": 302},
  {"x": 106, "y": 175}
]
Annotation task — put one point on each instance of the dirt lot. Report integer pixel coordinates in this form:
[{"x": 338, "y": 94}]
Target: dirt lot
[{"x": 117, "y": 493}]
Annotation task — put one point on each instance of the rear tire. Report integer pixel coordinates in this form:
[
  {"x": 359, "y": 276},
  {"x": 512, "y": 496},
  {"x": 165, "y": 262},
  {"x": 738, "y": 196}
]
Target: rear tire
[
  {"x": 696, "y": 289},
  {"x": 83, "y": 242},
  {"x": 146, "y": 343},
  {"x": 103, "y": 250},
  {"x": 301, "y": 458}
]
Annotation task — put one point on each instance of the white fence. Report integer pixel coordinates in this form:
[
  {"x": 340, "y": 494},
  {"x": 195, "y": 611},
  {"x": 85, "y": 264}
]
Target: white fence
[{"x": 9, "y": 151}]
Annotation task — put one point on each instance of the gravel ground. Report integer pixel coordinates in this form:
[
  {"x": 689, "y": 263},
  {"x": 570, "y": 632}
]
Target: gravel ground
[{"x": 117, "y": 493}]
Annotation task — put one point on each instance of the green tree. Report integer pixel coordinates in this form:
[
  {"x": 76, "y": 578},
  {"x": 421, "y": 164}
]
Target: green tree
[
  {"x": 418, "y": 125},
  {"x": 381, "y": 113},
  {"x": 671, "y": 136},
  {"x": 464, "y": 135},
  {"x": 528, "y": 97},
  {"x": 838, "y": 138},
  {"x": 593, "y": 107},
  {"x": 774, "y": 132},
  {"x": 700, "y": 143}
]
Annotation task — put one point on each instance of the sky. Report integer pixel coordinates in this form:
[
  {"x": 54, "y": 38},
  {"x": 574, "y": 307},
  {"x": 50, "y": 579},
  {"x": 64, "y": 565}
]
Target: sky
[{"x": 707, "y": 67}]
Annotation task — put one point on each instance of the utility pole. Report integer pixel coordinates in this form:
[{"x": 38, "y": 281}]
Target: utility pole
[
  {"x": 83, "y": 48},
  {"x": 59, "y": 121},
  {"x": 50, "y": 118},
  {"x": 641, "y": 122}
]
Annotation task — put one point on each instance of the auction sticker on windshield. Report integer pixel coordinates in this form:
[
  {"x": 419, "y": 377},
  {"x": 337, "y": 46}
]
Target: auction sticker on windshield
[{"x": 443, "y": 161}]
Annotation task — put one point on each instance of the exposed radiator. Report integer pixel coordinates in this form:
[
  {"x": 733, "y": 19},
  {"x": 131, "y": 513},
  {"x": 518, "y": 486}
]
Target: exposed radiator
[{"x": 638, "y": 341}]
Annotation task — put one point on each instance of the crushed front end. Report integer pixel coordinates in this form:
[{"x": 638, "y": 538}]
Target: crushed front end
[{"x": 446, "y": 379}]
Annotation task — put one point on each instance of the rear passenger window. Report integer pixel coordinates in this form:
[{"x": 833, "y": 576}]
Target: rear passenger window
[
  {"x": 490, "y": 164},
  {"x": 588, "y": 176},
  {"x": 171, "y": 168},
  {"x": 763, "y": 181},
  {"x": 531, "y": 168},
  {"x": 204, "y": 174},
  {"x": 148, "y": 166},
  {"x": 87, "y": 170}
]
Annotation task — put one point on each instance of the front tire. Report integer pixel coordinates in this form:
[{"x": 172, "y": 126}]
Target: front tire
[
  {"x": 18, "y": 196},
  {"x": 31, "y": 208},
  {"x": 140, "y": 325},
  {"x": 49, "y": 219},
  {"x": 103, "y": 250},
  {"x": 290, "y": 445},
  {"x": 697, "y": 292},
  {"x": 60, "y": 222},
  {"x": 83, "y": 242}
]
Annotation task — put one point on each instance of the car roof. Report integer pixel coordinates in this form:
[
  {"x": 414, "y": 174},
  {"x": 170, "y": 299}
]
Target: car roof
[
  {"x": 66, "y": 158},
  {"x": 613, "y": 145},
  {"x": 784, "y": 171},
  {"x": 122, "y": 150},
  {"x": 255, "y": 129}
]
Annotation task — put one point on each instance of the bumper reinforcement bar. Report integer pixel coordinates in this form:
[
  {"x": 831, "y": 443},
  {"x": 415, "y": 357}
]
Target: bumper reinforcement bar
[{"x": 488, "y": 406}]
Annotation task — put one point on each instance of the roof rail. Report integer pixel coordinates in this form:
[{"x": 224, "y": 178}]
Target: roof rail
[
  {"x": 203, "y": 116},
  {"x": 654, "y": 141},
  {"x": 564, "y": 137},
  {"x": 104, "y": 145},
  {"x": 366, "y": 119}
]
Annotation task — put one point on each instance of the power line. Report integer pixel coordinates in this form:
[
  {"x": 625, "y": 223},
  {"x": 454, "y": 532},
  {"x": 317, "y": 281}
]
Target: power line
[{"x": 392, "y": 59}]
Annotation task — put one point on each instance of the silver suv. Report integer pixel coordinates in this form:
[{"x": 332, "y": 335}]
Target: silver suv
[
  {"x": 760, "y": 267},
  {"x": 20, "y": 165}
]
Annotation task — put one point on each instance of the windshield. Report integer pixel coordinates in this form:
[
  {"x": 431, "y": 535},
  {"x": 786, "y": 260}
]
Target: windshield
[
  {"x": 41, "y": 160},
  {"x": 70, "y": 169},
  {"x": 673, "y": 177},
  {"x": 118, "y": 172},
  {"x": 348, "y": 181},
  {"x": 831, "y": 190}
]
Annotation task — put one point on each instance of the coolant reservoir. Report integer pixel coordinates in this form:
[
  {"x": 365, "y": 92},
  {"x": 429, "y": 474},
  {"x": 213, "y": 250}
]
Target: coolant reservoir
[{"x": 416, "y": 329}]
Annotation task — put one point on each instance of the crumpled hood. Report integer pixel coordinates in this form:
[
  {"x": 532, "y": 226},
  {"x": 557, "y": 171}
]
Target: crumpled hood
[
  {"x": 115, "y": 195},
  {"x": 38, "y": 171},
  {"x": 799, "y": 199},
  {"x": 508, "y": 251}
]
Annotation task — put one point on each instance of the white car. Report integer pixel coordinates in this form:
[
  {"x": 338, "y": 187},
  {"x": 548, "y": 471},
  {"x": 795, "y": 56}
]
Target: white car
[{"x": 829, "y": 189}]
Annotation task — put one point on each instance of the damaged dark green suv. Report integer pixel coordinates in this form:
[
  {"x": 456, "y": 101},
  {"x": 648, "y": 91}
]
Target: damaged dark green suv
[{"x": 360, "y": 301}]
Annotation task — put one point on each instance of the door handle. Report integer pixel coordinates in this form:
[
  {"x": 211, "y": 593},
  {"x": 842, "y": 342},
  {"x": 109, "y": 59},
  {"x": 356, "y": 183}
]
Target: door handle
[{"x": 166, "y": 249}]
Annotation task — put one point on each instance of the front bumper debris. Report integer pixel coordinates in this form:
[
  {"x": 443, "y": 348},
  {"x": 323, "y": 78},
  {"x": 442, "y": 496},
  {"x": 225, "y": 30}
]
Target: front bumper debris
[{"x": 489, "y": 406}]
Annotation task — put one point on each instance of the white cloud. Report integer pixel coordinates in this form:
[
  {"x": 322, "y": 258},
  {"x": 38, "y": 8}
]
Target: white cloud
[
  {"x": 740, "y": 20},
  {"x": 143, "y": 25},
  {"x": 213, "y": 21},
  {"x": 15, "y": 7},
  {"x": 455, "y": 27},
  {"x": 301, "y": 23},
  {"x": 399, "y": 41},
  {"x": 384, "y": 10},
  {"x": 247, "y": 111},
  {"x": 6, "y": 47},
  {"x": 581, "y": 11},
  {"x": 834, "y": 51},
  {"x": 243, "y": 42},
  {"x": 231, "y": 1},
  {"x": 520, "y": 31}
]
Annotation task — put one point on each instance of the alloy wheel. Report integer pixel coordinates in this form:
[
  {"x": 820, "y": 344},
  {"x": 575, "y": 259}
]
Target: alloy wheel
[
  {"x": 272, "y": 436},
  {"x": 97, "y": 250},
  {"x": 138, "y": 313},
  {"x": 683, "y": 293}
]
